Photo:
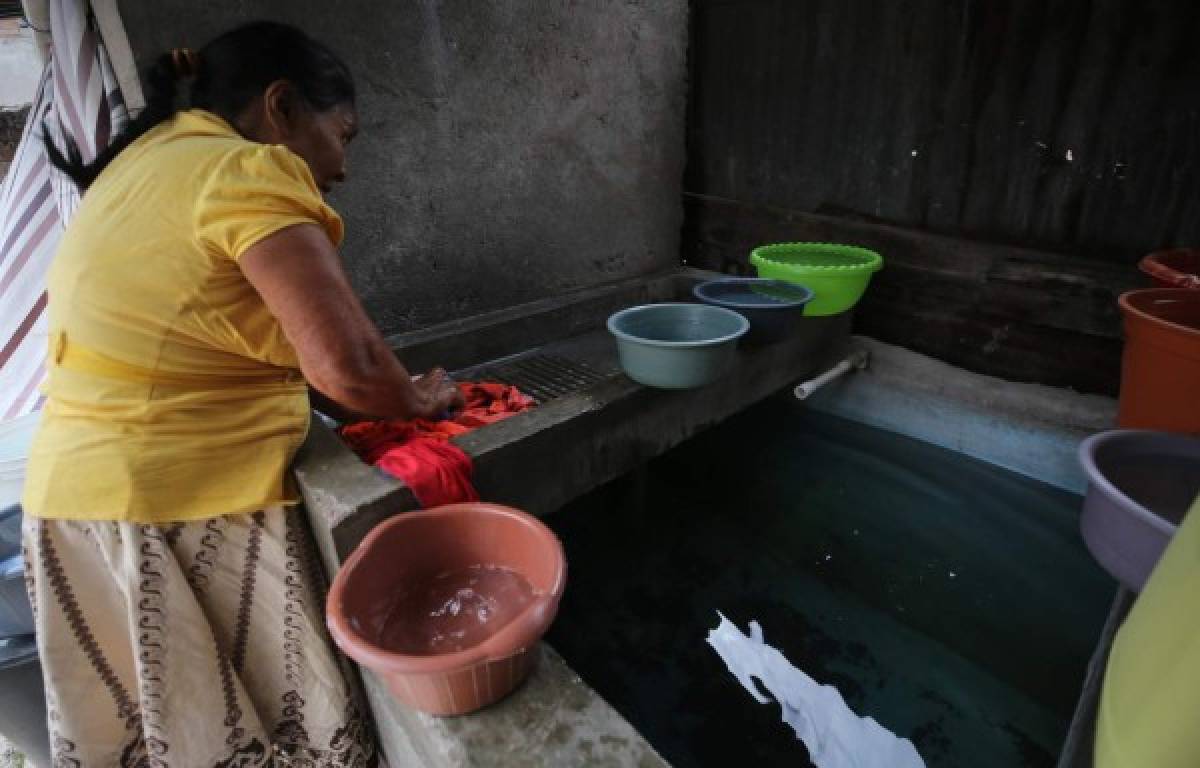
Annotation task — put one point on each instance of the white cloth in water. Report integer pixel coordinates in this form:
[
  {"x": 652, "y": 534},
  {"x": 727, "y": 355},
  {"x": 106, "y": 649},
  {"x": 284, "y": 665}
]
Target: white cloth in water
[{"x": 834, "y": 735}]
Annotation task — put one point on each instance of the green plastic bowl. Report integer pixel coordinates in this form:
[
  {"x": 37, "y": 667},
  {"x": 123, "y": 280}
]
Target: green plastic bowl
[{"x": 837, "y": 274}]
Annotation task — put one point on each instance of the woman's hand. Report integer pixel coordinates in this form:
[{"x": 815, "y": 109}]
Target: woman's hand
[
  {"x": 440, "y": 391},
  {"x": 342, "y": 354}
]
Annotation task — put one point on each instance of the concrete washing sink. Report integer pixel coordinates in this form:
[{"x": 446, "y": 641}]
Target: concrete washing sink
[{"x": 592, "y": 424}]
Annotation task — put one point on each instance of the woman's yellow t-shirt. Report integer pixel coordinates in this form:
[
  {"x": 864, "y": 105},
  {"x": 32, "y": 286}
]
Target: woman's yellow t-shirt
[
  {"x": 172, "y": 393},
  {"x": 1150, "y": 703}
]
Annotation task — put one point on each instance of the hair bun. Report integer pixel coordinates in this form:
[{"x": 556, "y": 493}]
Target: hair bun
[{"x": 186, "y": 63}]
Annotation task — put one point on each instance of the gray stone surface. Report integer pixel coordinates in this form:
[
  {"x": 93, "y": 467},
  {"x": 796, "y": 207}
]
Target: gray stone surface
[
  {"x": 344, "y": 497},
  {"x": 540, "y": 460},
  {"x": 1029, "y": 428},
  {"x": 509, "y": 151},
  {"x": 20, "y": 63},
  {"x": 544, "y": 458},
  {"x": 553, "y": 720}
]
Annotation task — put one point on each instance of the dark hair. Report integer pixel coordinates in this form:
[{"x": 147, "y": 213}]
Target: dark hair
[{"x": 231, "y": 71}]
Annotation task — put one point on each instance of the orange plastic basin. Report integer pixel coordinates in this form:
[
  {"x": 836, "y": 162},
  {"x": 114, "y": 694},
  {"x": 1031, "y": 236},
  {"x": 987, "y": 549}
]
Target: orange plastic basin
[
  {"x": 1160, "y": 368},
  {"x": 369, "y": 595}
]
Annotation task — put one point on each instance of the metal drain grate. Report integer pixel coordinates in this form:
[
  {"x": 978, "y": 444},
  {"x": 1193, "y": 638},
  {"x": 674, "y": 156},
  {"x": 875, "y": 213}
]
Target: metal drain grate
[{"x": 542, "y": 377}]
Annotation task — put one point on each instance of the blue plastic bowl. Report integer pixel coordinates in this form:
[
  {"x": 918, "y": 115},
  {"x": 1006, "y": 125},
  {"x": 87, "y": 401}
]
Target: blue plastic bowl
[
  {"x": 773, "y": 307},
  {"x": 676, "y": 346}
]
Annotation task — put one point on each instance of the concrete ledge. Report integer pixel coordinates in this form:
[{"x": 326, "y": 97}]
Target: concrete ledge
[
  {"x": 1028, "y": 428},
  {"x": 345, "y": 498},
  {"x": 553, "y": 720},
  {"x": 542, "y": 459}
]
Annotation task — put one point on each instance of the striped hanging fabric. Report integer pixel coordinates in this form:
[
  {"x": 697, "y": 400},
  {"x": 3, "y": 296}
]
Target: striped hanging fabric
[{"x": 78, "y": 98}]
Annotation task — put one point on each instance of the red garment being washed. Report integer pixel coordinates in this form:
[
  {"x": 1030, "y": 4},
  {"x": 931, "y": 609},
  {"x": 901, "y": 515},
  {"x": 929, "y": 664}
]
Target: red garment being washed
[
  {"x": 437, "y": 472},
  {"x": 419, "y": 451}
]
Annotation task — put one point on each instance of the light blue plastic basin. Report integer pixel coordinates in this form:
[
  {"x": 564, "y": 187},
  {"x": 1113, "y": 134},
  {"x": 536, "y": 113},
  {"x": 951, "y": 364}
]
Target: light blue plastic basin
[{"x": 676, "y": 346}]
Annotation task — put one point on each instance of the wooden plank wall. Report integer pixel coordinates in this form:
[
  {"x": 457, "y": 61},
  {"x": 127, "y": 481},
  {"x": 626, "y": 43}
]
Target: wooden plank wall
[{"x": 1016, "y": 156}]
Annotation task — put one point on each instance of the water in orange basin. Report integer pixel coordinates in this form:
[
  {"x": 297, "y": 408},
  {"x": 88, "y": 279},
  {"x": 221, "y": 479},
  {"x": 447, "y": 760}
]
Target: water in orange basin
[{"x": 455, "y": 610}]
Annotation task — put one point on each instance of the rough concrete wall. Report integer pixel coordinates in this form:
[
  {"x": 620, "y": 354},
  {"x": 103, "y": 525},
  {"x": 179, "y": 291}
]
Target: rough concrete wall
[{"x": 509, "y": 150}]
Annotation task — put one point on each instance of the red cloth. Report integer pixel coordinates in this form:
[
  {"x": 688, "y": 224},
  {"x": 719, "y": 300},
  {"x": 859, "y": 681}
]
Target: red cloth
[
  {"x": 419, "y": 451},
  {"x": 437, "y": 472}
]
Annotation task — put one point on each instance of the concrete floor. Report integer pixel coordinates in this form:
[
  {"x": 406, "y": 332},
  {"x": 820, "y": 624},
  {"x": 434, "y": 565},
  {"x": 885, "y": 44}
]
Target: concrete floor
[
  {"x": 10, "y": 757},
  {"x": 20, "y": 64}
]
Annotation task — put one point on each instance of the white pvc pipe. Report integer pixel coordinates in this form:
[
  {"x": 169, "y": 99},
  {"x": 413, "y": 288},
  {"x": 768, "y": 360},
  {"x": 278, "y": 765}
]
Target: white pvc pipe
[
  {"x": 37, "y": 13},
  {"x": 120, "y": 55},
  {"x": 855, "y": 361}
]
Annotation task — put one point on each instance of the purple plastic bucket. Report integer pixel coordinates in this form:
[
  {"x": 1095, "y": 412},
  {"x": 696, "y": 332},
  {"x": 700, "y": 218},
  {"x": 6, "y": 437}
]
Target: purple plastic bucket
[{"x": 1140, "y": 485}]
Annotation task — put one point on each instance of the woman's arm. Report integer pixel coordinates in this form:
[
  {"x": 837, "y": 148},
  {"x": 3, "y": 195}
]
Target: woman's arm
[
  {"x": 342, "y": 354},
  {"x": 319, "y": 402}
]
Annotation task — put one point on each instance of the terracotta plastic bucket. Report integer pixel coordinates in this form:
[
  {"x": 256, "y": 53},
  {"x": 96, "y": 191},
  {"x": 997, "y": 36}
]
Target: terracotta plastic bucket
[
  {"x": 1160, "y": 369},
  {"x": 1174, "y": 268},
  {"x": 414, "y": 546}
]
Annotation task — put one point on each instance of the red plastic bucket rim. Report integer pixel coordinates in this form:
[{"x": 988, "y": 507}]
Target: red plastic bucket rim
[
  {"x": 507, "y": 642},
  {"x": 1132, "y": 303},
  {"x": 1179, "y": 267}
]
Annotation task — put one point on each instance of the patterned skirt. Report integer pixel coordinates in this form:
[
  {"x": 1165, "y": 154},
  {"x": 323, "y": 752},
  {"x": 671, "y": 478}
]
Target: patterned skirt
[{"x": 189, "y": 644}]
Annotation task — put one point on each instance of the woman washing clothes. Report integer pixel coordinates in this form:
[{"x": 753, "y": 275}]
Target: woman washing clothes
[{"x": 195, "y": 293}]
